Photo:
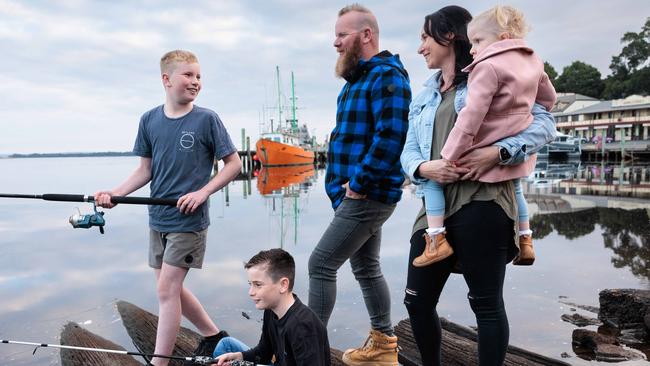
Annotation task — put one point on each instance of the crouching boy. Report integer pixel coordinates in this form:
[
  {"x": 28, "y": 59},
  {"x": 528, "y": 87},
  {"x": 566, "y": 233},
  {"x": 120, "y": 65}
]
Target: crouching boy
[{"x": 292, "y": 335}]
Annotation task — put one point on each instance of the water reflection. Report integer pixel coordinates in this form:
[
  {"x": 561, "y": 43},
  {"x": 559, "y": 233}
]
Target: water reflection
[
  {"x": 625, "y": 232},
  {"x": 271, "y": 181},
  {"x": 567, "y": 197},
  {"x": 284, "y": 189},
  {"x": 51, "y": 273},
  {"x": 622, "y": 179}
]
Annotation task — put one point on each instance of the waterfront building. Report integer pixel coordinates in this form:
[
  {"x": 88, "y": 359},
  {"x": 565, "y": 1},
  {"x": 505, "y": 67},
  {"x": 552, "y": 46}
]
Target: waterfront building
[{"x": 619, "y": 120}]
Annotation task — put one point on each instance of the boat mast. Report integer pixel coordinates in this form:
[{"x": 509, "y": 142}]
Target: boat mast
[
  {"x": 295, "y": 217},
  {"x": 277, "y": 76},
  {"x": 294, "y": 124}
]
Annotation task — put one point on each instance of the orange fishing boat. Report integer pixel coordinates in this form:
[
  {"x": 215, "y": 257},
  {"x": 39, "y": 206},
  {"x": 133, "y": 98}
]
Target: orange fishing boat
[
  {"x": 278, "y": 149},
  {"x": 288, "y": 145}
]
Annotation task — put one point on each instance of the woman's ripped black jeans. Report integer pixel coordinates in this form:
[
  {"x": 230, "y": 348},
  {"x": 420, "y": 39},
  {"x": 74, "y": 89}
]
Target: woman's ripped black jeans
[{"x": 482, "y": 236}]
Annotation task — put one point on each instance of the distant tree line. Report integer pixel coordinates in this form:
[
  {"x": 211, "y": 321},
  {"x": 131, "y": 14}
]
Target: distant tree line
[
  {"x": 630, "y": 71},
  {"x": 72, "y": 155}
]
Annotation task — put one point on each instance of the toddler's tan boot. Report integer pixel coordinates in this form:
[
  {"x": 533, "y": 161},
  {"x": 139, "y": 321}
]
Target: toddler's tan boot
[
  {"x": 526, "y": 255},
  {"x": 436, "y": 249}
]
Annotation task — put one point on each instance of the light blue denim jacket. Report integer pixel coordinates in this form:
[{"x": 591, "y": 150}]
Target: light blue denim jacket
[{"x": 422, "y": 112}]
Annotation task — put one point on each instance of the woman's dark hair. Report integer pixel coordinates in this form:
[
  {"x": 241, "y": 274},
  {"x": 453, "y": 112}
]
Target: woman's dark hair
[{"x": 451, "y": 19}]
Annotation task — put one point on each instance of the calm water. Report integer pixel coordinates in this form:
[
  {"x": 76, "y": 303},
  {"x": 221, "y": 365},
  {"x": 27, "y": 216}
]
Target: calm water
[{"x": 51, "y": 274}]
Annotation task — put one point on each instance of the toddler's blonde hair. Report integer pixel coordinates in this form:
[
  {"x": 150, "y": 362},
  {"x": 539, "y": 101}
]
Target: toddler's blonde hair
[
  {"x": 503, "y": 19},
  {"x": 170, "y": 59}
]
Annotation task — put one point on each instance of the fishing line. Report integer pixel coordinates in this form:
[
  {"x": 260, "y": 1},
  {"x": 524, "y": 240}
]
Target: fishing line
[{"x": 197, "y": 360}]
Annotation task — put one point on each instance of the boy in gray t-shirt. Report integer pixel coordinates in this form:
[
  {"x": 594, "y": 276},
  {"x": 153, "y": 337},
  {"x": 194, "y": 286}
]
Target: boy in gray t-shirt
[{"x": 177, "y": 143}]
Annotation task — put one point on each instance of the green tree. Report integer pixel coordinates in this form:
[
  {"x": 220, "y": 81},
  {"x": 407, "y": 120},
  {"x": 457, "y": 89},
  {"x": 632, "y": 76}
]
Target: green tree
[
  {"x": 630, "y": 69},
  {"x": 639, "y": 82},
  {"x": 615, "y": 88},
  {"x": 550, "y": 71},
  {"x": 580, "y": 78},
  {"x": 635, "y": 52}
]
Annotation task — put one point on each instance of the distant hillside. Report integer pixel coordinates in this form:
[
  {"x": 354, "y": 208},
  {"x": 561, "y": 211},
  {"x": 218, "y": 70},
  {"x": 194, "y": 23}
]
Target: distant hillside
[{"x": 72, "y": 155}]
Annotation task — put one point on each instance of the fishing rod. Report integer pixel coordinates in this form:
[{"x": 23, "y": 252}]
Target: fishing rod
[
  {"x": 97, "y": 218},
  {"x": 197, "y": 360},
  {"x": 83, "y": 198}
]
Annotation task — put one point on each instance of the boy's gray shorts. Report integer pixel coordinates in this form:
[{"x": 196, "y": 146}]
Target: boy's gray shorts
[{"x": 185, "y": 250}]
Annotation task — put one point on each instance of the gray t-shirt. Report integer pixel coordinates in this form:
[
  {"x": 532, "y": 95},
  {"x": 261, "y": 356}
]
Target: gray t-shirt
[{"x": 182, "y": 152}]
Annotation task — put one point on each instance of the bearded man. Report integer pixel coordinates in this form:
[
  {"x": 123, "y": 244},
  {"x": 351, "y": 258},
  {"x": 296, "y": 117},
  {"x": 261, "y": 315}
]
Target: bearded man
[{"x": 363, "y": 178}]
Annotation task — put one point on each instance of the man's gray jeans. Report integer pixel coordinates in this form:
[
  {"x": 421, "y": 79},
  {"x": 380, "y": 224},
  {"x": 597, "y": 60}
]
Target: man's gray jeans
[{"x": 355, "y": 234}]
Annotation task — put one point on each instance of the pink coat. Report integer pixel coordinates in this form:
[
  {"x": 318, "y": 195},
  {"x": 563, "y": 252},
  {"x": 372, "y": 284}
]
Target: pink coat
[{"x": 505, "y": 80}]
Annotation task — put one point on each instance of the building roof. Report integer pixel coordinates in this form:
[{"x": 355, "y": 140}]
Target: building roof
[
  {"x": 566, "y": 100},
  {"x": 610, "y": 106},
  {"x": 572, "y": 97}
]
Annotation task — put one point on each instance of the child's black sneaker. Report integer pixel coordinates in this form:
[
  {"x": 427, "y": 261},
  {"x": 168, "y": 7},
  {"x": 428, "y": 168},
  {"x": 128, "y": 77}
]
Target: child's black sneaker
[{"x": 208, "y": 344}]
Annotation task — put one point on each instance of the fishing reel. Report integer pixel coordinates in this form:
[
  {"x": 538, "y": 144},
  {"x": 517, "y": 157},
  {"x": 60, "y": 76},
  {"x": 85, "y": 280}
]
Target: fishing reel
[
  {"x": 88, "y": 220},
  {"x": 242, "y": 363}
]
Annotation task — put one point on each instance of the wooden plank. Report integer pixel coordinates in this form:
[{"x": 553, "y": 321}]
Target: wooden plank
[
  {"x": 141, "y": 327},
  {"x": 459, "y": 348},
  {"x": 74, "y": 335}
]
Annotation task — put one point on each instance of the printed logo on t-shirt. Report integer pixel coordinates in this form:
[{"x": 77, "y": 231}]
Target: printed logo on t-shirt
[{"x": 187, "y": 141}]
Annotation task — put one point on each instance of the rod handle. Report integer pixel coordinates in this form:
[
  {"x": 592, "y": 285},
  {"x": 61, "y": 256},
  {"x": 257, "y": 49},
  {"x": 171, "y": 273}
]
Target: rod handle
[
  {"x": 114, "y": 199},
  {"x": 144, "y": 200},
  {"x": 66, "y": 197}
]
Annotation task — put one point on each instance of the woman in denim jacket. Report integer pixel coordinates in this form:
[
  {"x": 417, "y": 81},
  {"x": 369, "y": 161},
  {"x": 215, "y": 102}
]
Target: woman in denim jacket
[{"x": 480, "y": 218}]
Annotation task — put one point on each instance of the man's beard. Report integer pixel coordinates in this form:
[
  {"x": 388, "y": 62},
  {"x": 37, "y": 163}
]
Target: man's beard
[{"x": 348, "y": 61}]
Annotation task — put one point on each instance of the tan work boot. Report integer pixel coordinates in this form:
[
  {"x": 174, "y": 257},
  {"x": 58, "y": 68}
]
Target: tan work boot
[
  {"x": 379, "y": 350},
  {"x": 435, "y": 250},
  {"x": 526, "y": 255}
]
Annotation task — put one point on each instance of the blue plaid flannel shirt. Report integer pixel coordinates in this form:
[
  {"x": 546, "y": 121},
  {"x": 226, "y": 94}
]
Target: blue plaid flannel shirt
[{"x": 371, "y": 125}]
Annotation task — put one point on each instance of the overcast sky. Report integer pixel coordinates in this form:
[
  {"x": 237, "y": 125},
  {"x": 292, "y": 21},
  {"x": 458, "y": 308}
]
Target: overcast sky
[{"x": 76, "y": 75}]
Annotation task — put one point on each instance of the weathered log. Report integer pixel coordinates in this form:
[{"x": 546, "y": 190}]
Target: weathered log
[
  {"x": 589, "y": 308},
  {"x": 579, "y": 320},
  {"x": 592, "y": 345},
  {"x": 633, "y": 336},
  {"x": 459, "y": 348},
  {"x": 624, "y": 308},
  {"x": 615, "y": 353},
  {"x": 458, "y": 344},
  {"x": 141, "y": 326},
  {"x": 336, "y": 356},
  {"x": 74, "y": 335},
  {"x": 590, "y": 339}
]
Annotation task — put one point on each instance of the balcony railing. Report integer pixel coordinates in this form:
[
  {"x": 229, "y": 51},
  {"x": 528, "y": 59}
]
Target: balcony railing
[{"x": 604, "y": 122}]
